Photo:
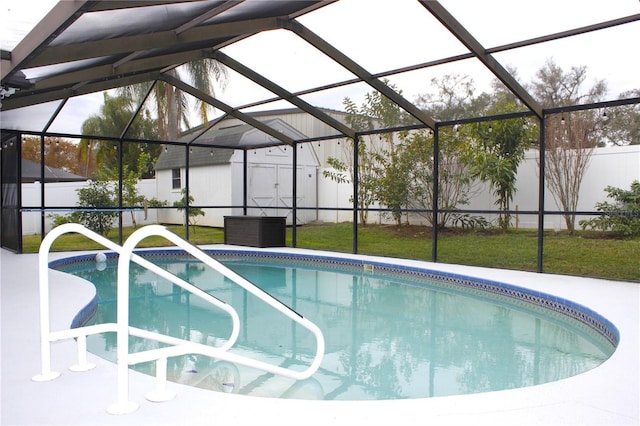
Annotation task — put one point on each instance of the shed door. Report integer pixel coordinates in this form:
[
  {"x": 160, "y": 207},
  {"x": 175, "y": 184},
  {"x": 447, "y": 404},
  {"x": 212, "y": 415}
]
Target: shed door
[
  {"x": 285, "y": 192},
  {"x": 263, "y": 183},
  {"x": 271, "y": 190}
]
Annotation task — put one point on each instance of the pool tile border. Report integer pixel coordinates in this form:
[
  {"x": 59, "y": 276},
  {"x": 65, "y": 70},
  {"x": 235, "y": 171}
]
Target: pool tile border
[{"x": 85, "y": 313}]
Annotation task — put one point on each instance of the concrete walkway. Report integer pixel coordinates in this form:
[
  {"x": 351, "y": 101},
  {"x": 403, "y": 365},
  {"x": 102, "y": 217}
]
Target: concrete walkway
[{"x": 607, "y": 395}]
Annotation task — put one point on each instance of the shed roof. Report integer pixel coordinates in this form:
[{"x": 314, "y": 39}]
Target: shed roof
[
  {"x": 31, "y": 172},
  {"x": 174, "y": 156},
  {"x": 234, "y": 137}
]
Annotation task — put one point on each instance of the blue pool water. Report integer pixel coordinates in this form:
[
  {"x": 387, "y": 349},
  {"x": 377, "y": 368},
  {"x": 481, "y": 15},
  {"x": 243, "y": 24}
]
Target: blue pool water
[{"x": 391, "y": 333}]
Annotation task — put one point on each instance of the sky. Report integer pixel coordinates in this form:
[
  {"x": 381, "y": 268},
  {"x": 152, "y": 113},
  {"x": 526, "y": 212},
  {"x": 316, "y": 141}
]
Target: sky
[
  {"x": 363, "y": 34},
  {"x": 19, "y": 17}
]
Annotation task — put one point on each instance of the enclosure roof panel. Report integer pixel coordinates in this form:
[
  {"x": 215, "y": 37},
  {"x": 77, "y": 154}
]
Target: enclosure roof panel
[
  {"x": 311, "y": 54},
  {"x": 115, "y": 33}
]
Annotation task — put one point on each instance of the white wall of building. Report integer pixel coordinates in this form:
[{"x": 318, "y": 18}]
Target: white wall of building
[
  {"x": 269, "y": 187},
  {"x": 209, "y": 185}
]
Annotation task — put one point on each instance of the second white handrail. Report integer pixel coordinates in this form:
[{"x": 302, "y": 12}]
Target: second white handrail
[{"x": 125, "y": 359}]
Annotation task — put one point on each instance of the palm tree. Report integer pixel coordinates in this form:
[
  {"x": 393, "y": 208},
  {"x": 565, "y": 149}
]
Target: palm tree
[
  {"x": 87, "y": 157},
  {"x": 113, "y": 117},
  {"x": 171, "y": 103}
]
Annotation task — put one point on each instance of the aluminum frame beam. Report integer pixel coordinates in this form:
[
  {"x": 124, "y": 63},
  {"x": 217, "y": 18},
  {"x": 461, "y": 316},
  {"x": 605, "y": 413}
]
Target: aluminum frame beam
[
  {"x": 62, "y": 15},
  {"x": 28, "y": 98},
  {"x": 283, "y": 93},
  {"x": 164, "y": 39},
  {"x": 349, "y": 64},
  {"x": 461, "y": 33},
  {"x": 227, "y": 109}
]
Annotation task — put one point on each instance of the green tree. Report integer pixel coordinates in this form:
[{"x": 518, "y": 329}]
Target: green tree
[
  {"x": 382, "y": 176},
  {"x": 393, "y": 184},
  {"x": 622, "y": 124},
  {"x": 369, "y": 166},
  {"x": 131, "y": 197},
  {"x": 171, "y": 104},
  {"x": 97, "y": 195},
  {"x": 499, "y": 148},
  {"x": 343, "y": 172},
  {"x": 87, "y": 157},
  {"x": 454, "y": 183},
  {"x": 454, "y": 98}
]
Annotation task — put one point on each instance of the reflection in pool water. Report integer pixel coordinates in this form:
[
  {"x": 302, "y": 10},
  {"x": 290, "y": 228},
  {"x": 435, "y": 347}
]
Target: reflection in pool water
[{"x": 388, "y": 335}]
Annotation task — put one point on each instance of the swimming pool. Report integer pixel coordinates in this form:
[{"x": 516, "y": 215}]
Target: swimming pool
[{"x": 450, "y": 335}]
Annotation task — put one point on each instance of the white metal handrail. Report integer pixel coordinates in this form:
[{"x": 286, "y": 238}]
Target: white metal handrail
[
  {"x": 121, "y": 327},
  {"x": 160, "y": 355},
  {"x": 47, "y": 336}
]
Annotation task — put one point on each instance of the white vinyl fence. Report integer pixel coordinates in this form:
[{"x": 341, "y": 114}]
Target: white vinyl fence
[
  {"x": 65, "y": 196},
  {"x": 610, "y": 166}
]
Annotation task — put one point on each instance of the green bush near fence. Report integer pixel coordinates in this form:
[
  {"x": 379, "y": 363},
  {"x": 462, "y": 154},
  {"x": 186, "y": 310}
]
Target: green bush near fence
[{"x": 621, "y": 216}]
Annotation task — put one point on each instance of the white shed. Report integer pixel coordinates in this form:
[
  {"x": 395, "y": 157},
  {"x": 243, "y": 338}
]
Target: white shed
[{"x": 216, "y": 176}]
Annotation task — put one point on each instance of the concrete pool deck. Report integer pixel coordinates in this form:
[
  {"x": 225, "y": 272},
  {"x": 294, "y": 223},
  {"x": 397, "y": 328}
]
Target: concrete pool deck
[{"x": 606, "y": 395}]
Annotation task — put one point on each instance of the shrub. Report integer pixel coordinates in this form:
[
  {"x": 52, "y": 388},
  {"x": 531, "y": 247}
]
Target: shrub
[
  {"x": 194, "y": 212},
  {"x": 622, "y": 216},
  {"x": 97, "y": 195},
  {"x": 59, "y": 219}
]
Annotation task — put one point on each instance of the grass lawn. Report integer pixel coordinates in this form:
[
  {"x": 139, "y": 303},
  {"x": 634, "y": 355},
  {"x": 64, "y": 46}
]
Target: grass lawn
[
  {"x": 73, "y": 242},
  {"x": 585, "y": 254}
]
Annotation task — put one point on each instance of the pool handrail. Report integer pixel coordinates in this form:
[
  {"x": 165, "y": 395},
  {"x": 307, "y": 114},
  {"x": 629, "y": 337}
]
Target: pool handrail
[
  {"x": 125, "y": 359},
  {"x": 80, "y": 333},
  {"x": 124, "y": 330}
]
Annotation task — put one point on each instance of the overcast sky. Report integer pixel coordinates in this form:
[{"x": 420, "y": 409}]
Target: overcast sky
[{"x": 363, "y": 33}]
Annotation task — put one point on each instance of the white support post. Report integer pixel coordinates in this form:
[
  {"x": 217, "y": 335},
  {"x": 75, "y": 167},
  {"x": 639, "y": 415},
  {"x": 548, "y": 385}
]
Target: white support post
[
  {"x": 43, "y": 281},
  {"x": 46, "y": 337},
  {"x": 161, "y": 393},
  {"x": 123, "y": 405},
  {"x": 83, "y": 364}
]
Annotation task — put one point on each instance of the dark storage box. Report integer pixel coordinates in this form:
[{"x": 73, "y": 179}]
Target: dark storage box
[{"x": 255, "y": 231}]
